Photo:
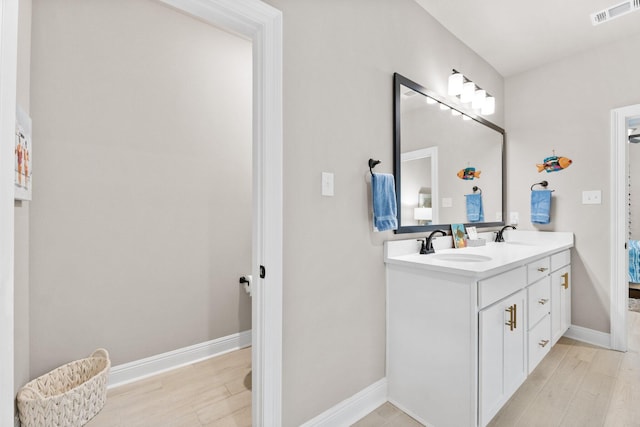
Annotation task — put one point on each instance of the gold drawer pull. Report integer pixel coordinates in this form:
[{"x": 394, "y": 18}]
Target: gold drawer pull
[
  {"x": 542, "y": 269},
  {"x": 543, "y": 301},
  {"x": 543, "y": 343},
  {"x": 512, "y": 321},
  {"x": 565, "y": 281}
]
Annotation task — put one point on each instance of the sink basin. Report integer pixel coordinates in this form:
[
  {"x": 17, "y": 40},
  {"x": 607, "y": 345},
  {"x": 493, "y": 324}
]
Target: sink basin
[
  {"x": 461, "y": 257},
  {"x": 520, "y": 243}
]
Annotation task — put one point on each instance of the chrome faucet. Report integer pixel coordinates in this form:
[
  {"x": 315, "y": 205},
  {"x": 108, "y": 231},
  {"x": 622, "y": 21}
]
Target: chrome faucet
[
  {"x": 427, "y": 245},
  {"x": 499, "y": 237}
]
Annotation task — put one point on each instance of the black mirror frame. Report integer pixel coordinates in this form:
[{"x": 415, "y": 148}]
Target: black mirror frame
[{"x": 399, "y": 80}]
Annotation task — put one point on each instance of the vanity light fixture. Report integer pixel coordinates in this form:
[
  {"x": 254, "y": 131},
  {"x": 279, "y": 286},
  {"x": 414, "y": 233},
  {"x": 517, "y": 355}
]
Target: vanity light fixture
[
  {"x": 478, "y": 99},
  {"x": 456, "y": 80},
  {"x": 469, "y": 92},
  {"x": 489, "y": 106}
]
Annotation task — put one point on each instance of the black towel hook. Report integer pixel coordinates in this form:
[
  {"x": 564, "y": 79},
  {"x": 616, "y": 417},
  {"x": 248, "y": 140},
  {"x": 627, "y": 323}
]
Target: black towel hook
[
  {"x": 372, "y": 164},
  {"x": 476, "y": 188},
  {"x": 542, "y": 183}
]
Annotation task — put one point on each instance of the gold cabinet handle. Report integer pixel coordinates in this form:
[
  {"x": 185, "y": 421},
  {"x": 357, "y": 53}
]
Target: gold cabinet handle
[
  {"x": 512, "y": 322},
  {"x": 565, "y": 281},
  {"x": 542, "y": 269},
  {"x": 543, "y": 343},
  {"x": 515, "y": 316},
  {"x": 543, "y": 301}
]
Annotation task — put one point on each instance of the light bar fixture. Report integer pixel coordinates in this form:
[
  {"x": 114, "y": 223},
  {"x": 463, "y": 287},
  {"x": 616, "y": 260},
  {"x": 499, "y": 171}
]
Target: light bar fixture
[{"x": 469, "y": 92}]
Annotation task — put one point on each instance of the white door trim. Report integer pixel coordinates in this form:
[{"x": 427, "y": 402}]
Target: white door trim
[
  {"x": 8, "y": 62},
  {"x": 619, "y": 220}
]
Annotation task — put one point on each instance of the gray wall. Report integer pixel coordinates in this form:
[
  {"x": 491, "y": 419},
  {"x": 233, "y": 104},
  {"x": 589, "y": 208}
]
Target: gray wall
[
  {"x": 339, "y": 60},
  {"x": 566, "y": 106},
  {"x": 141, "y": 215},
  {"x": 21, "y": 226}
]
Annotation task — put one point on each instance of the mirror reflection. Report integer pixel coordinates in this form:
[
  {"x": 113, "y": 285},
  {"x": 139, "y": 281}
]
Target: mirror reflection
[{"x": 441, "y": 157}]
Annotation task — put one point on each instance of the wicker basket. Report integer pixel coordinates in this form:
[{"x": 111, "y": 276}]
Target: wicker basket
[{"x": 68, "y": 396}]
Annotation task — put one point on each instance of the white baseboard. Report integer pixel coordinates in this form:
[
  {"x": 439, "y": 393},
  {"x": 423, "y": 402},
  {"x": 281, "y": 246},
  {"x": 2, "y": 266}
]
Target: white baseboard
[
  {"x": 353, "y": 408},
  {"x": 589, "y": 336},
  {"x": 139, "y": 369}
]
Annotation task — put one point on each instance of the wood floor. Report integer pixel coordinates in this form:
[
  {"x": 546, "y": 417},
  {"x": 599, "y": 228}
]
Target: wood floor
[
  {"x": 576, "y": 384},
  {"x": 212, "y": 393}
]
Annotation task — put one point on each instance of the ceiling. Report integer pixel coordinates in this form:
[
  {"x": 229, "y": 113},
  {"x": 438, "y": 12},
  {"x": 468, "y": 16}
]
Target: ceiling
[{"x": 516, "y": 35}]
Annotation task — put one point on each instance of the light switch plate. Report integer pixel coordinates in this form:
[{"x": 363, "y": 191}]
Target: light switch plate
[
  {"x": 327, "y": 184},
  {"x": 592, "y": 197}
]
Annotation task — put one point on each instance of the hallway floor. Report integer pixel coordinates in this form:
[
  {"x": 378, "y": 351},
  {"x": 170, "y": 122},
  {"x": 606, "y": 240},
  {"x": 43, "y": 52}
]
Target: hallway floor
[
  {"x": 576, "y": 384},
  {"x": 213, "y": 393}
]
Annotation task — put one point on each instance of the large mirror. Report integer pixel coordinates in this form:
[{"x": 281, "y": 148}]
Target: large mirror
[{"x": 446, "y": 159}]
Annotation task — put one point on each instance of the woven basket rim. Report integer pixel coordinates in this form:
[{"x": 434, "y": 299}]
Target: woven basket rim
[{"x": 31, "y": 384}]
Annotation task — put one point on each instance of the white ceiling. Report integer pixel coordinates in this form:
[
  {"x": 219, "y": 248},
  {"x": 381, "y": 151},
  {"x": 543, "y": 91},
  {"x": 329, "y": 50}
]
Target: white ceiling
[{"x": 518, "y": 35}]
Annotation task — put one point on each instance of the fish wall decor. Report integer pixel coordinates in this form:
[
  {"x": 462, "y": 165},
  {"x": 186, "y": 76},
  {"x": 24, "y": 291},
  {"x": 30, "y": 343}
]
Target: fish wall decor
[
  {"x": 468, "y": 173},
  {"x": 554, "y": 164}
]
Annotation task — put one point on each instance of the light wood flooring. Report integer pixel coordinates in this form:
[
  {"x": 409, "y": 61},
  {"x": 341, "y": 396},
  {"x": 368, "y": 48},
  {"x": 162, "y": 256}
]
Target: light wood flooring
[
  {"x": 212, "y": 393},
  {"x": 576, "y": 384}
]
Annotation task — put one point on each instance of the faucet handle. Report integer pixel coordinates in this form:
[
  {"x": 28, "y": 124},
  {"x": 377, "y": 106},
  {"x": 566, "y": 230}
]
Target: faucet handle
[{"x": 423, "y": 246}]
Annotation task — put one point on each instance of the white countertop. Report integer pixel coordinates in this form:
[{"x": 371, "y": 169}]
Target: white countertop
[{"x": 519, "y": 248}]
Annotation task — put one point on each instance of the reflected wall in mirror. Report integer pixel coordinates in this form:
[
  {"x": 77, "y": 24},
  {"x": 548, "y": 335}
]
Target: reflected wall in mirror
[{"x": 433, "y": 143}]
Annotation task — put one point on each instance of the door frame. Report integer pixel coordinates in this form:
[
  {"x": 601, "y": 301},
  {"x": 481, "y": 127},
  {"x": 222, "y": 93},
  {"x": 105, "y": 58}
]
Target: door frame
[
  {"x": 262, "y": 24},
  {"x": 619, "y": 259},
  {"x": 8, "y": 62}
]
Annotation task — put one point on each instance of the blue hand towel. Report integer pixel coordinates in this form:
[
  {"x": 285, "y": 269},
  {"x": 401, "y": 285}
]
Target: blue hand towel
[
  {"x": 385, "y": 211},
  {"x": 541, "y": 206},
  {"x": 634, "y": 261},
  {"x": 475, "y": 211}
]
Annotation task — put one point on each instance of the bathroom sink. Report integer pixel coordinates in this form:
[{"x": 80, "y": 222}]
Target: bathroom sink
[
  {"x": 461, "y": 257},
  {"x": 521, "y": 243}
]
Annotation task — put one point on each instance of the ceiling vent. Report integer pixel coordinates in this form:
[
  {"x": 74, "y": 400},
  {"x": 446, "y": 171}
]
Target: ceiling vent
[{"x": 614, "y": 11}]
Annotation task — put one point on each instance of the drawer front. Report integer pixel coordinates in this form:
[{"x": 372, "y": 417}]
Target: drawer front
[
  {"x": 539, "y": 342},
  {"x": 497, "y": 287},
  {"x": 560, "y": 259},
  {"x": 539, "y": 295},
  {"x": 537, "y": 270}
]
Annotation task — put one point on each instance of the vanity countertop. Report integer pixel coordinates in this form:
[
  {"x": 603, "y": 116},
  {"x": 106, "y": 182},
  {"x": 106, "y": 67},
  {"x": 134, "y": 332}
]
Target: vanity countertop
[{"x": 519, "y": 248}]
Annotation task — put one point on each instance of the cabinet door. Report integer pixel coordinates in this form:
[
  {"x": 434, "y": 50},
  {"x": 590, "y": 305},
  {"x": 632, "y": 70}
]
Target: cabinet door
[
  {"x": 502, "y": 366},
  {"x": 560, "y": 302}
]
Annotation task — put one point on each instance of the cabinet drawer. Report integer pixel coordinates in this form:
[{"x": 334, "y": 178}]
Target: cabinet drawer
[
  {"x": 497, "y": 287},
  {"x": 537, "y": 270},
  {"x": 560, "y": 259},
  {"x": 539, "y": 295},
  {"x": 539, "y": 342}
]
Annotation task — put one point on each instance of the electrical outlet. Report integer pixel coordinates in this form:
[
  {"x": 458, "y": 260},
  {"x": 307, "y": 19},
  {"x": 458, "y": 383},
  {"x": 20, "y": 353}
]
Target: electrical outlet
[
  {"x": 447, "y": 202},
  {"x": 327, "y": 184},
  {"x": 514, "y": 217}
]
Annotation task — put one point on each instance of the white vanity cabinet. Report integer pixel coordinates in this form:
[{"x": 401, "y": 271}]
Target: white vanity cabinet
[
  {"x": 560, "y": 294},
  {"x": 461, "y": 338}
]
